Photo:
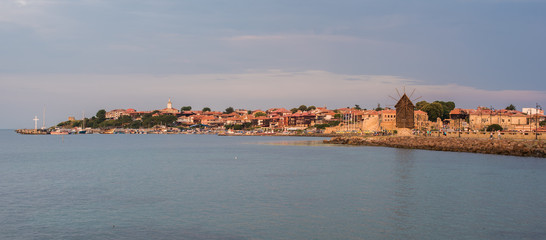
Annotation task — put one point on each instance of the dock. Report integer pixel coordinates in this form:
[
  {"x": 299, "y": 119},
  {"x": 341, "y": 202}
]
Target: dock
[{"x": 32, "y": 131}]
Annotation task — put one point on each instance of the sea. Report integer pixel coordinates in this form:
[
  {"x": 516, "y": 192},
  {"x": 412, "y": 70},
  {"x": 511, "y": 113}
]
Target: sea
[{"x": 250, "y": 187}]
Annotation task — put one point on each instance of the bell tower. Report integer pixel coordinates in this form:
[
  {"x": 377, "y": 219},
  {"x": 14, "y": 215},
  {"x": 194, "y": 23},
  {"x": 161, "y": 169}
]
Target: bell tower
[{"x": 169, "y": 104}]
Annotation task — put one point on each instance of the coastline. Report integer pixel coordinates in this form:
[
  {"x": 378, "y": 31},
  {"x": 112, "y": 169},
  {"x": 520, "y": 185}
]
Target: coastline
[{"x": 523, "y": 148}]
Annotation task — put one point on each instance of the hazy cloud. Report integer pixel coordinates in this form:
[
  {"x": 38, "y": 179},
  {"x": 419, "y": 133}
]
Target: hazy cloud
[{"x": 252, "y": 90}]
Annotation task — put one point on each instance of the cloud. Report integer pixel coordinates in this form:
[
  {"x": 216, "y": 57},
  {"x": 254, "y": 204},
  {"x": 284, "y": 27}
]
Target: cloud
[
  {"x": 302, "y": 38},
  {"x": 21, "y": 2},
  {"x": 68, "y": 95},
  {"x": 291, "y": 37},
  {"x": 255, "y": 89}
]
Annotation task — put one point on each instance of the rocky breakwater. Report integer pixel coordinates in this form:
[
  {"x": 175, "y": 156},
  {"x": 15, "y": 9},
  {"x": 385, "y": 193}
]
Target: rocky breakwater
[{"x": 528, "y": 148}]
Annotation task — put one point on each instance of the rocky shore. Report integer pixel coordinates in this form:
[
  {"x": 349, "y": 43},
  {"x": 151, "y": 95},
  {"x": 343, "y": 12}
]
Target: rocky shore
[{"x": 527, "y": 148}]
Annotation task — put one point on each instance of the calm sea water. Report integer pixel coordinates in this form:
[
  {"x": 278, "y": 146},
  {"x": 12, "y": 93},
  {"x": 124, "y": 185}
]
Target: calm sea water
[{"x": 210, "y": 187}]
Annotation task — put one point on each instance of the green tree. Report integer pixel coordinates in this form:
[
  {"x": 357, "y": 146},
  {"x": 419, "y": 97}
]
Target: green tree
[
  {"x": 311, "y": 108},
  {"x": 206, "y": 109},
  {"x": 135, "y": 124},
  {"x": 293, "y": 110},
  {"x": 123, "y": 121},
  {"x": 420, "y": 105},
  {"x": 229, "y": 110},
  {"x": 511, "y": 107},
  {"x": 260, "y": 114},
  {"x": 434, "y": 110},
  {"x": 101, "y": 116},
  {"x": 357, "y": 107},
  {"x": 494, "y": 127},
  {"x": 302, "y": 108},
  {"x": 185, "y": 108},
  {"x": 446, "y": 108},
  {"x": 378, "y": 108},
  {"x": 337, "y": 116}
]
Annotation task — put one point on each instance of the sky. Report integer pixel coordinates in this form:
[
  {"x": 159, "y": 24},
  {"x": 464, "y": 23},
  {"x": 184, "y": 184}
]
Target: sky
[{"x": 75, "y": 57}]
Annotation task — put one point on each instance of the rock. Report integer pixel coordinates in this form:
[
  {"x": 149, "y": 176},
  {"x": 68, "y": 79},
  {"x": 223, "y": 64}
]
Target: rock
[{"x": 504, "y": 147}]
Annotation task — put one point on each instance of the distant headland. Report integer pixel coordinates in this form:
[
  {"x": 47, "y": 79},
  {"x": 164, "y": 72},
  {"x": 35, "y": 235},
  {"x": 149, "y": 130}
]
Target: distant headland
[{"x": 426, "y": 118}]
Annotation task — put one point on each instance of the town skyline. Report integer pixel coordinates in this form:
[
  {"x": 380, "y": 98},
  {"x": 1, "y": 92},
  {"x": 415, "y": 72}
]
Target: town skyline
[{"x": 81, "y": 56}]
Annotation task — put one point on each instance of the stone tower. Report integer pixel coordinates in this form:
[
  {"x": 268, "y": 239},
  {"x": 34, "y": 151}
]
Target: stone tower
[
  {"x": 169, "y": 104},
  {"x": 405, "y": 113}
]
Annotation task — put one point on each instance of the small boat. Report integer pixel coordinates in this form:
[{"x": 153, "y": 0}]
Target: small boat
[{"x": 59, "y": 132}]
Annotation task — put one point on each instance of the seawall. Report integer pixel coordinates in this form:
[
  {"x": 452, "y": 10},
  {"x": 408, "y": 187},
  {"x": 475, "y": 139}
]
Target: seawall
[{"x": 527, "y": 148}]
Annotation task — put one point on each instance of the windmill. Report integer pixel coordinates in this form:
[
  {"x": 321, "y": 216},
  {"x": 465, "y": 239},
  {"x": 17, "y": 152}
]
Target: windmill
[{"x": 405, "y": 110}]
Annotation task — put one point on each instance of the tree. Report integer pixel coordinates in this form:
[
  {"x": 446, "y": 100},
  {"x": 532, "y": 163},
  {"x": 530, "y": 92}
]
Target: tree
[
  {"x": 302, "y": 108},
  {"x": 124, "y": 120},
  {"x": 229, "y": 110},
  {"x": 494, "y": 127},
  {"x": 511, "y": 107},
  {"x": 446, "y": 108},
  {"x": 185, "y": 108},
  {"x": 378, "y": 108},
  {"x": 311, "y": 108},
  {"x": 420, "y": 105},
  {"x": 101, "y": 115},
  {"x": 206, "y": 109},
  {"x": 434, "y": 110},
  {"x": 260, "y": 114},
  {"x": 135, "y": 124},
  {"x": 357, "y": 107},
  {"x": 293, "y": 110}
]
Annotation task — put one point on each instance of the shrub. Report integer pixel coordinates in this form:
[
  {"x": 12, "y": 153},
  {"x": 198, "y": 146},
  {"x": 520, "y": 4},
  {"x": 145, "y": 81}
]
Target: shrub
[{"x": 494, "y": 127}]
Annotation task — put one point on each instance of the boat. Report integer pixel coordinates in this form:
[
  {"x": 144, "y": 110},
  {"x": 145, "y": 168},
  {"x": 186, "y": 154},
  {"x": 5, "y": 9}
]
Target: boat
[{"x": 58, "y": 132}]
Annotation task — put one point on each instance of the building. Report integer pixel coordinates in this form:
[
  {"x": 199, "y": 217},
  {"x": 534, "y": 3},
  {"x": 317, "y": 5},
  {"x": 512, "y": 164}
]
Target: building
[
  {"x": 405, "y": 111},
  {"x": 169, "y": 109},
  {"x": 116, "y": 113}
]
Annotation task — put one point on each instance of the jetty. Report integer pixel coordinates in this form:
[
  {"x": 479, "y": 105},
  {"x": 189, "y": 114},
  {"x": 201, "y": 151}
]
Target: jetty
[
  {"x": 32, "y": 131},
  {"x": 526, "y": 148}
]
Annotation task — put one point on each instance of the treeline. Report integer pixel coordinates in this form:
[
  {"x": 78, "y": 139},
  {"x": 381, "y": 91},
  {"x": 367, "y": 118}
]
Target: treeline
[
  {"x": 436, "y": 109},
  {"x": 100, "y": 121}
]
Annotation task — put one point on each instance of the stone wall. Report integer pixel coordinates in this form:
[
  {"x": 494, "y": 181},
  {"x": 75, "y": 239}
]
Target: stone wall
[
  {"x": 504, "y": 135},
  {"x": 473, "y": 145}
]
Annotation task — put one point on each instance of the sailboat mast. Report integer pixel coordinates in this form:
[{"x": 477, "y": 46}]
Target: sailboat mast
[{"x": 43, "y": 120}]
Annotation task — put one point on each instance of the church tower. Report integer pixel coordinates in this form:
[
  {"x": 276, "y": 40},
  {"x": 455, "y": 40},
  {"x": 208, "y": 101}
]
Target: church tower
[{"x": 169, "y": 104}]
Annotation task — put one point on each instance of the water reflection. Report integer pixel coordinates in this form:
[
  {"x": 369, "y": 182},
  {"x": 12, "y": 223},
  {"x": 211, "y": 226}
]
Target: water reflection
[{"x": 404, "y": 191}]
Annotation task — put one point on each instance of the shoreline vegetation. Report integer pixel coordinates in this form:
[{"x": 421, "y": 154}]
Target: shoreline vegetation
[{"x": 523, "y": 148}]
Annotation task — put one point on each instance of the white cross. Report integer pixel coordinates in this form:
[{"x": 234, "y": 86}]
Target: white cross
[{"x": 35, "y": 122}]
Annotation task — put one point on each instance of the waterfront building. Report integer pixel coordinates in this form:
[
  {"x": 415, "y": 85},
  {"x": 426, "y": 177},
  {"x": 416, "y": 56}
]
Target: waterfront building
[{"x": 507, "y": 119}]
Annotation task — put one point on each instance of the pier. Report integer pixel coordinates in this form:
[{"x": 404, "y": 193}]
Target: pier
[{"x": 32, "y": 131}]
